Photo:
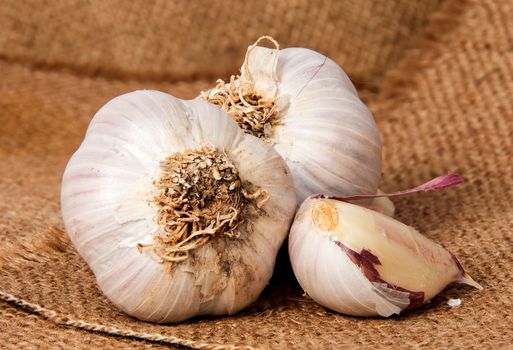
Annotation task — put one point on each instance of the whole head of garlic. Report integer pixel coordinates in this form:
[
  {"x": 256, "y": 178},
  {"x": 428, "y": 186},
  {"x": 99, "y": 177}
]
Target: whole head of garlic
[
  {"x": 177, "y": 211},
  {"x": 305, "y": 105},
  {"x": 360, "y": 262}
]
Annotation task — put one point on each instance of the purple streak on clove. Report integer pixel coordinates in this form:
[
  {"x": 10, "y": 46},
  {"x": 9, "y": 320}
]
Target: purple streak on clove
[{"x": 366, "y": 261}]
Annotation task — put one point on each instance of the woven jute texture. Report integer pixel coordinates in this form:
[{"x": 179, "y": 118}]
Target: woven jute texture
[
  {"x": 180, "y": 39},
  {"x": 445, "y": 105}
]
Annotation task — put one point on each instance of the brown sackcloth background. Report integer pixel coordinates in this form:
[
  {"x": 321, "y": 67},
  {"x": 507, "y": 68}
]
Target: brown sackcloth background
[{"x": 438, "y": 76}]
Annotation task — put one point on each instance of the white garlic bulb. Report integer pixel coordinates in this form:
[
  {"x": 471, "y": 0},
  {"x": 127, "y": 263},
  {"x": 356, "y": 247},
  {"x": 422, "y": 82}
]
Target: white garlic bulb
[
  {"x": 177, "y": 212},
  {"x": 363, "y": 263},
  {"x": 306, "y": 106}
]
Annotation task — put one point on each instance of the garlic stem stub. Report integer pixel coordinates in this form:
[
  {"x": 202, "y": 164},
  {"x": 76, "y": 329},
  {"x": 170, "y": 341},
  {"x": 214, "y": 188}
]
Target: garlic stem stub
[
  {"x": 360, "y": 262},
  {"x": 304, "y": 104},
  {"x": 177, "y": 212}
]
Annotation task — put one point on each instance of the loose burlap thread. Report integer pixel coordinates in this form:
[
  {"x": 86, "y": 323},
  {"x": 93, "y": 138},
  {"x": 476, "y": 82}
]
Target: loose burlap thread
[{"x": 445, "y": 106}]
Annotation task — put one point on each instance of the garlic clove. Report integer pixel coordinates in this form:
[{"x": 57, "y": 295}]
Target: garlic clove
[
  {"x": 110, "y": 207},
  {"x": 360, "y": 262}
]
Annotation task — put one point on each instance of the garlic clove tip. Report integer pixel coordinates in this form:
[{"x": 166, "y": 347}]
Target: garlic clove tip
[{"x": 469, "y": 281}]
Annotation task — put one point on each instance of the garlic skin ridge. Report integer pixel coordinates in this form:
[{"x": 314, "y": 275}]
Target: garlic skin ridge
[
  {"x": 363, "y": 263},
  {"x": 106, "y": 201},
  {"x": 325, "y": 133}
]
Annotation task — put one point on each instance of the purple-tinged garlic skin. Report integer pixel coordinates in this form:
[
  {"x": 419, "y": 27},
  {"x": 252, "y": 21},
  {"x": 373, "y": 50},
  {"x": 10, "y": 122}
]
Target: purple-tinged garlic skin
[{"x": 359, "y": 262}]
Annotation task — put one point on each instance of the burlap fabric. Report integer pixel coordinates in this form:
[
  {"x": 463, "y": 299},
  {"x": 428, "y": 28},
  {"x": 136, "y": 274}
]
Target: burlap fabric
[{"x": 440, "y": 85}]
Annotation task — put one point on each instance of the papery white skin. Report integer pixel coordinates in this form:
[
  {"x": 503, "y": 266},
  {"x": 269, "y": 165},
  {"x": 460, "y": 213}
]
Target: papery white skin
[
  {"x": 326, "y": 134},
  {"x": 106, "y": 200},
  {"x": 327, "y": 273}
]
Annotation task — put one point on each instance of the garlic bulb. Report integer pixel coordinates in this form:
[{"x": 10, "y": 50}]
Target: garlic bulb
[
  {"x": 305, "y": 105},
  {"x": 177, "y": 212},
  {"x": 360, "y": 262}
]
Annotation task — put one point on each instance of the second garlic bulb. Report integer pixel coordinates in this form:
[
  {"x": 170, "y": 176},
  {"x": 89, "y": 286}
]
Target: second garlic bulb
[{"x": 305, "y": 105}]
